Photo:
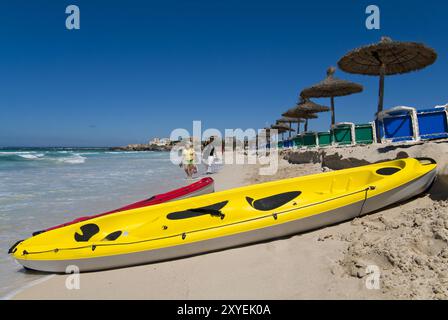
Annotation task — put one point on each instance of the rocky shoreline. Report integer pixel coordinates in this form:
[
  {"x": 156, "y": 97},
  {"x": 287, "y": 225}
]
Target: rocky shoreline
[{"x": 142, "y": 147}]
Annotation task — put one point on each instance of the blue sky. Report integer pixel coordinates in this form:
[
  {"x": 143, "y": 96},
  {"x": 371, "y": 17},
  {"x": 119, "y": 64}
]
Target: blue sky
[{"x": 138, "y": 69}]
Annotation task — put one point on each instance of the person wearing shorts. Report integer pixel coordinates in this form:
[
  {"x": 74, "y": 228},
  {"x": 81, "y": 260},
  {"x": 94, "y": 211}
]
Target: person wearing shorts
[{"x": 188, "y": 155}]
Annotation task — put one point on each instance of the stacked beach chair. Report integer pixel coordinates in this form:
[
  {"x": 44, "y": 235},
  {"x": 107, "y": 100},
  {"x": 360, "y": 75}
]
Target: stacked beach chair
[
  {"x": 433, "y": 123},
  {"x": 343, "y": 133},
  {"x": 297, "y": 141},
  {"x": 310, "y": 139},
  {"x": 398, "y": 124},
  {"x": 304, "y": 140},
  {"x": 324, "y": 139},
  {"x": 365, "y": 133}
]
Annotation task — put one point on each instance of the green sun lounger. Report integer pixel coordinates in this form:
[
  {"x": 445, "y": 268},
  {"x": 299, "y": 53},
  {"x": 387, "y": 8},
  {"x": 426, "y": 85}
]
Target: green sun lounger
[
  {"x": 343, "y": 133},
  {"x": 325, "y": 138},
  {"x": 310, "y": 139},
  {"x": 365, "y": 133},
  {"x": 298, "y": 142}
]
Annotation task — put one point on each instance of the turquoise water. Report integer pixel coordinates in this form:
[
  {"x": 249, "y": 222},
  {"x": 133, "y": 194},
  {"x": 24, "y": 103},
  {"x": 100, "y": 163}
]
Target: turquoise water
[{"x": 40, "y": 188}]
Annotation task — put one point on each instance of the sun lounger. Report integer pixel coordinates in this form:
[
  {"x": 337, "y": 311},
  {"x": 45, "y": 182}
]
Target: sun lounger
[
  {"x": 298, "y": 141},
  {"x": 310, "y": 139},
  {"x": 324, "y": 139},
  {"x": 433, "y": 123},
  {"x": 343, "y": 133},
  {"x": 365, "y": 133},
  {"x": 398, "y": 124},
  {"x": 291, "y": 143}
]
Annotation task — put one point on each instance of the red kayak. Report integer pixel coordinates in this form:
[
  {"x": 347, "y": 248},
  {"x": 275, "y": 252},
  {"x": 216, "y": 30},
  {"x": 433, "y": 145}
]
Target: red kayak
[{"x": 203, "y": 186}]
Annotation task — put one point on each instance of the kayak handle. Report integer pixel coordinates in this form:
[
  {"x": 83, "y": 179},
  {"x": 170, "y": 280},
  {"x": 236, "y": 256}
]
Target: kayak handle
[
  {"x": 13, "y": 248},
  {"x": 35, "y": 233},
  {"x": 424, "y": 160}
]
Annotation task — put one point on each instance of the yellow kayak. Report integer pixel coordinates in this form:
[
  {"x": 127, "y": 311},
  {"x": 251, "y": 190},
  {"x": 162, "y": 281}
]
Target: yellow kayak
[{"x": 225, "y": 219}]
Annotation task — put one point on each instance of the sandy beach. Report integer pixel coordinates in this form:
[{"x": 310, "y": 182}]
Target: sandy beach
[
  {"x": 408, "y": 242},
  {"x": 110, "y": 111}
]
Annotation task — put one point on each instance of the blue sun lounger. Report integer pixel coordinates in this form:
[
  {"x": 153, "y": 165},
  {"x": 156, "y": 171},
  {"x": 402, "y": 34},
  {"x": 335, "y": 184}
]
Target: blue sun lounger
[
  {"x": 398, "y": 124},
  {"x": 287, "y": 143},
  {"x": 433, "y": 123}
]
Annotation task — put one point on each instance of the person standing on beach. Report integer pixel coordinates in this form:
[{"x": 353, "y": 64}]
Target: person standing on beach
[
  {"x": 188, "y": 160},
  {"x": 209, "y": 155}
]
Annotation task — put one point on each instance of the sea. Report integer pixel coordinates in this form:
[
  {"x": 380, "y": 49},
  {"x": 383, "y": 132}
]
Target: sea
[{"x": 43, "y": 187}]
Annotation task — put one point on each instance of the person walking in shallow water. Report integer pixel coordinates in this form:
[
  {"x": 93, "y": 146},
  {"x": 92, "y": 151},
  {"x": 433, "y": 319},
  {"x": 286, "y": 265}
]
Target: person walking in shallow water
[{"x": 188, "y": 155}]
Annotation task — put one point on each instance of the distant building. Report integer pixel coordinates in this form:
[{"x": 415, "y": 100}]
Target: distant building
[{"x": 160, "y": 141}]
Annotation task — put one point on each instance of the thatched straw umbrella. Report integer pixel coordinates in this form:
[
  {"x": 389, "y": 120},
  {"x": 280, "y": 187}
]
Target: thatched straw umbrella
[
  {"x": 307, "y": 106},
  {"x": 282, "y": 128},
  {"x": 290, "y": 121},
  {"x": 331, "y": 87},
  {"x": 387, "y": 57},
  {"x": 296, "y": 112}
]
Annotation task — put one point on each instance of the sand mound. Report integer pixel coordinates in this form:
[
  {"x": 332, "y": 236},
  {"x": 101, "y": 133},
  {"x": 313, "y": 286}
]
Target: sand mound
[
  {"x": 410, "y": 248},
  {"x": 407, "y": 242},
  {"x": 285, "y": 170}
]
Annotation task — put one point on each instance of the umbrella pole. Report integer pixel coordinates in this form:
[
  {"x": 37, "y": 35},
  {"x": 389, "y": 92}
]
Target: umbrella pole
[
  {"x": 381, "y": 89},
  {"x": 289, "y": 133},
  {"x": 333, "y": 117},
  {"x": 306, "y": 125},
  {"x": 380, "y": 98}
]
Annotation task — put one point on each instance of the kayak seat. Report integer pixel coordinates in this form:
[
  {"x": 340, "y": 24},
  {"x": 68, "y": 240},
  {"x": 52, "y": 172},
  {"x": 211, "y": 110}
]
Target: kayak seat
[
  {"x": 113, "y": 236},
  {"x": 213, "y": 209},
  {"x": 273, "y": 202},
  {"x": 88, "y": 231},
  {"x": 387, "y": 171}
]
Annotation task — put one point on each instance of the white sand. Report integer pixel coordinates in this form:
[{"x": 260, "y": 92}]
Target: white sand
[{"x": 407, "y": 242}]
